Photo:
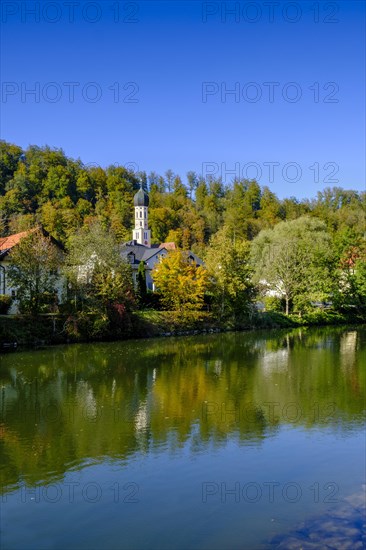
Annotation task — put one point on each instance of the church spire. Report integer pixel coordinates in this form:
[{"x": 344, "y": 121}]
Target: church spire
[{"x": 141, "y": 232}]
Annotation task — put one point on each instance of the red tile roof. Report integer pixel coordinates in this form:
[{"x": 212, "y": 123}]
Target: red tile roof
[
  {"x": 168, "y": 246},
  {"x": 12, "y": 240}
]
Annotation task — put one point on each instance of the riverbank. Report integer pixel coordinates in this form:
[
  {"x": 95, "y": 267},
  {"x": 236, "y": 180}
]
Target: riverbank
[{"x": 27, "y": 332}]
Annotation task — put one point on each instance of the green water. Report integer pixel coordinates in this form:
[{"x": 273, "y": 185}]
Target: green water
[{"x": 209, "y": 442}]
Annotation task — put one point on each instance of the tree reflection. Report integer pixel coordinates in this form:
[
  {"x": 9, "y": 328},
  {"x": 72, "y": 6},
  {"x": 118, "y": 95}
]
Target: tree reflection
[{"x": 65, "y": 407}]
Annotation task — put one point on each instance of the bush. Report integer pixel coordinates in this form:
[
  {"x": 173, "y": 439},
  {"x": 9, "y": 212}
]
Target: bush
[
  {"x": 320, "y": 317},
  {"x": 5, "y": 303}
]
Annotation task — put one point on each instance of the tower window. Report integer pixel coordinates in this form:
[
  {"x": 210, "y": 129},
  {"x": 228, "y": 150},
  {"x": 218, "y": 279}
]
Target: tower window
[
  {"x": 145, "y": 214},
  {"x": 140, "y": 214},
  {"x": 140, "y": 224}
]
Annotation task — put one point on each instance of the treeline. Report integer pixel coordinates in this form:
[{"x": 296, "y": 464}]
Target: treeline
[
  {"x": 295, "y": 257},
  {"x": 42, "y": 185}
]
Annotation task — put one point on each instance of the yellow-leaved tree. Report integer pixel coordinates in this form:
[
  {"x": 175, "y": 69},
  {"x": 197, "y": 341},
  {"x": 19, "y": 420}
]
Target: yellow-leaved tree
[{"x": 181, "y": 282}]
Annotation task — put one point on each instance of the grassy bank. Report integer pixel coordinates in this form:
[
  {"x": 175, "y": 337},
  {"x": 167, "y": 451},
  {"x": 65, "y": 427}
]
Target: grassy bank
[{"x": 51, "y": 329}]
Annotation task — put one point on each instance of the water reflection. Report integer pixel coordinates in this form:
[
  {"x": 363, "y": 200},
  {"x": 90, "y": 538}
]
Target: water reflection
[
  {"x": 341, "y": 527},
  {"x": 65, "y": 407}
]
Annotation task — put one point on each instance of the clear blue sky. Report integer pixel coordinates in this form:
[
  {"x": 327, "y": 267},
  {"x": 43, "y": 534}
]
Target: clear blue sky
[{"x": 168, "y": 50}]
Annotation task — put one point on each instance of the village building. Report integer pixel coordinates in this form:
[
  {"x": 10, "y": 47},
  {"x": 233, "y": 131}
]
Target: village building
[{"x": 140, "y": 249}]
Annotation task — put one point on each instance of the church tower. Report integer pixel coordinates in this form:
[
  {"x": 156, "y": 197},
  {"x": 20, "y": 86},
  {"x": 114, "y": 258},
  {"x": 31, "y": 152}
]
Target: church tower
[{"x": 141, "y": 233}]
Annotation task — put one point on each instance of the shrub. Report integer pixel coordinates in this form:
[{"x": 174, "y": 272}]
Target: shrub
[
  {"x": 5, "y": 303},
  {"x": 320, "y": 317}
]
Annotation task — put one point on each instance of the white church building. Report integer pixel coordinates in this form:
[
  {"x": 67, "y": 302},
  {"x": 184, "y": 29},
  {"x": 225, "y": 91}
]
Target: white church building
[{"x": 139, "y": 249}]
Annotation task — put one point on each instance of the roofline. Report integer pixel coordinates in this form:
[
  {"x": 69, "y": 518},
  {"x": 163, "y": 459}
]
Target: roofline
[
  {"x": 156, "y": 251},
  {"x": 4, "y": 253}
]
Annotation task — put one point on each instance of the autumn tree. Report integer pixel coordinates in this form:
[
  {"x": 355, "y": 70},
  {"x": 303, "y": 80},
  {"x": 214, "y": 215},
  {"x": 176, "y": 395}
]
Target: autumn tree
[{"x": 180, "y": 281}]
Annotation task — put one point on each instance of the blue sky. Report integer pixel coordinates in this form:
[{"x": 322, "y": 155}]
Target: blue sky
[{"x": 146, "y": 83}]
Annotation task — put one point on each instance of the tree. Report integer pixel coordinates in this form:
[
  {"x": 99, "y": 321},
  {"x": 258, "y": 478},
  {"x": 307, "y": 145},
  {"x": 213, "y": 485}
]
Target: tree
[
  {"x": 180, "y": 281},
  {"x": 351, "y": 281},
  {"x": 100, "y": 282},
  {"x": 295, "y": 260},
  {"x": 34, "y": 271},
  {"x": 169, "y": 177},
  {"x": 141, "y": 283},
  {"x": 227, "y": 262},
  {"x": 270, "y": 208},
  {"x": 10, "y": 155},
  {"x": 96, "y": 271},
  {"x": 161, "y": 220},
  {"x": 192, "y": 182}
]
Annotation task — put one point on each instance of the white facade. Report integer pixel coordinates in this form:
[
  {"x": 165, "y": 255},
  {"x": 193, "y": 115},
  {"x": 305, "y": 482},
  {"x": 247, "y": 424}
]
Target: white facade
[
  {"x": 141, "y": 233},
  {"x": 7, "y": 289}
]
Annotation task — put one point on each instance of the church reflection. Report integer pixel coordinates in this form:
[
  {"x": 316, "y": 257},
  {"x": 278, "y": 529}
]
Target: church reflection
[{"x": 70, "y": 405}]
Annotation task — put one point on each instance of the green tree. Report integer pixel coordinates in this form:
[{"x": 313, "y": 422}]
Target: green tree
[
  {"x": 10, "y": 156},
  {"x": 34, "y": 271},
  {"x": 270, "y": 208},
  {"x": 141, "y": 283},
  {"x": 228, "y": 265},
  {"x": 295, "y": 259},
  {"x": 98, "y": 275}
]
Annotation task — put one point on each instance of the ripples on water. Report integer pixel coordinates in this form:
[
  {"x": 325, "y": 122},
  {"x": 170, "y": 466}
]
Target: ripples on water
[{"x": 173, "y": 415}]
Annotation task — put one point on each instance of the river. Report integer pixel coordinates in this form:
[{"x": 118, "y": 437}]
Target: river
[{"x": 240, "y": 441}]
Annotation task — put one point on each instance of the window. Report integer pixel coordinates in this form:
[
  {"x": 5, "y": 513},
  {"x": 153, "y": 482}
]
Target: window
[
  {"x": 13, "y": 294},
  {"x": 140, "y": 224},
  {"x": 140, "y": 213},
  {"x": 145, "y": 214}
]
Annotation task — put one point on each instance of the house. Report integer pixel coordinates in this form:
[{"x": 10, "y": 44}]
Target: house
[
  {"x": 139, "y": 249},
  {"x": 6, "y": 246}
]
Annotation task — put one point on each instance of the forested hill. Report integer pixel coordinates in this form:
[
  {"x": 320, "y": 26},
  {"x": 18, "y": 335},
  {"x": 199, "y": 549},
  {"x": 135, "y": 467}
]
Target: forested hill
[{"x": 43, "y": 185}]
